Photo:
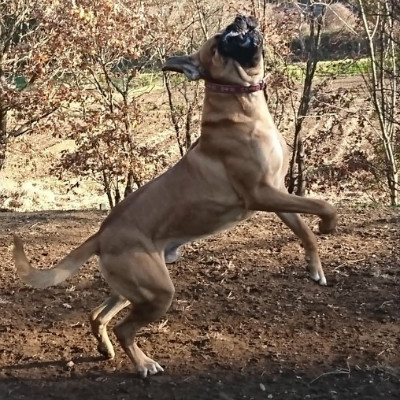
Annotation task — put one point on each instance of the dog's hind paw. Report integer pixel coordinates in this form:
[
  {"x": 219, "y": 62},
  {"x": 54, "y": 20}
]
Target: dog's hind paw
[
  {"x": 149, "y": 367},
  {"x": 322, "y": 281},
  {"x": 319, "y": 279},
  {"x": 314, "y": 276}
]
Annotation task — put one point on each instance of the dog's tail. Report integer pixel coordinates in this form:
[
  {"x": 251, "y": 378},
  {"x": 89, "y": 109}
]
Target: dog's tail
[{"x": 42, "y": 278}]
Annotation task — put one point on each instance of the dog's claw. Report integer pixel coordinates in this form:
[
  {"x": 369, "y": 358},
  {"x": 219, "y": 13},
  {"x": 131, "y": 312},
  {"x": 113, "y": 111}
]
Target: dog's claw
[
  {"x": 322, "y": 281},
  {"x": 151, "y": 369},
  {"x": 155, "y": 369}
]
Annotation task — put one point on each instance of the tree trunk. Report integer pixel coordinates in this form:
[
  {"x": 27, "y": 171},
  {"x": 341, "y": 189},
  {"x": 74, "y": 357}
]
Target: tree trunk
[
  {"x": 3, "y": 136},
  {"x": 393, "y": 183},
  {"x": 110, "y": 199},
  {"x": 107, "y": 189},
  {"x": 392, "y": 176},
  {"x": 129, "y": 181},
  {"x": 173, "y": 114},
  {"x": 297, "y": 178},
  {"x": 117, "y": 197},
  {"x": 301, "y": 180}
]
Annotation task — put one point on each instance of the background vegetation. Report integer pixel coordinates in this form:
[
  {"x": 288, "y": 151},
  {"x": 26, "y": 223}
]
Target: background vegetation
[{"x": 85, "y": 111}]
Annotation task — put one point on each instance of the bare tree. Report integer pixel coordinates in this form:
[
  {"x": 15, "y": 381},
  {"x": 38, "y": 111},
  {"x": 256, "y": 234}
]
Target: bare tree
[
  {"x": 297, "y": 176},
  {"x": 184, "y": 35},
  {"x": 381, "y": 26},
  {"x": 111, "y": 42}
]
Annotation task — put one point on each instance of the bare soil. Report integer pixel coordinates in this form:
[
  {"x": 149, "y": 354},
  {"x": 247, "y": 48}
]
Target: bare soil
[{"x": 246, "y": 323}]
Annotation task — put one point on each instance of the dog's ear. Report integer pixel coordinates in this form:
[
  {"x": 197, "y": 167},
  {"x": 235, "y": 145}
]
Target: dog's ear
[{"x": 187, "y": 65}]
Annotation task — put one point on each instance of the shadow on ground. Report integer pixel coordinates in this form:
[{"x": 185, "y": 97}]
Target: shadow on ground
[{"x": 218, "y": 384}]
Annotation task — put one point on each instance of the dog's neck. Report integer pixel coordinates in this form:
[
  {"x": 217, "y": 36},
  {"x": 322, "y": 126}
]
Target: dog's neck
[
  {"x": 248, "y": 106},
  {"x": 235, "y": 89}
]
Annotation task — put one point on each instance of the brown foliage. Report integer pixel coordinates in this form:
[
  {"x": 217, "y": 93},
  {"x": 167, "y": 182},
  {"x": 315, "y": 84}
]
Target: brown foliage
[
  {"x": 30, "y": 60},
  {"x": 74, "y": 68}
]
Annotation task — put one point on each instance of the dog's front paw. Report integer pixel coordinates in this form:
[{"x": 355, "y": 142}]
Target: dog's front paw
[{"x": 328, "y": 225}]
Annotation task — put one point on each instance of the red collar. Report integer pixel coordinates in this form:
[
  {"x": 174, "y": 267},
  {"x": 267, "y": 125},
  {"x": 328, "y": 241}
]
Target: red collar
[{"x": 236, "y": 89}]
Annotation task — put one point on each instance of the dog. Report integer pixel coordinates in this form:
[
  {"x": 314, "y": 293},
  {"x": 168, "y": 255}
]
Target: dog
[{"x": 235, "y": 168}]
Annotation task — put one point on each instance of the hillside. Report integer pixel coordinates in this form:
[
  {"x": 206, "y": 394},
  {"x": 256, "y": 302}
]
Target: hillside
[{"x": 334, "y": 170}]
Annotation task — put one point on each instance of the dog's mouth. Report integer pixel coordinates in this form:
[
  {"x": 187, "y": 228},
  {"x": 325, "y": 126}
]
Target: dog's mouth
[{"x": 241, "y": 41}]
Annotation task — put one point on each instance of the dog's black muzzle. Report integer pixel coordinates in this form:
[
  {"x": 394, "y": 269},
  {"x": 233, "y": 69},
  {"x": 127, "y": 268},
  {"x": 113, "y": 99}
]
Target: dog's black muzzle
[{"x": 242, "y": 41}]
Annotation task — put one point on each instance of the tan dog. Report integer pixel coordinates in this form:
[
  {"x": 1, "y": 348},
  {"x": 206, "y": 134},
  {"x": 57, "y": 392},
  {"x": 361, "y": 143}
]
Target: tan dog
[{"x": 237, "y": 167}]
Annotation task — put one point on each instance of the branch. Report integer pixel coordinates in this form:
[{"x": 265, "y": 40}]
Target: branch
[
  {"x": 173, "y": 113},
  {"x": 16, "y": 25},
  {"x": 27, "y": 126},
  {"x": 201, "y": 19}
]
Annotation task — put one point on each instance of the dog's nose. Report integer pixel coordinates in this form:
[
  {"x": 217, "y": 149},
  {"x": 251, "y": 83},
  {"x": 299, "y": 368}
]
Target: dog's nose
[{"x": 241, "y": 22}]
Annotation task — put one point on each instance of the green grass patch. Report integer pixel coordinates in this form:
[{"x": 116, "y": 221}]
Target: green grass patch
[
  {"x": 149, "y": 81},
  {"x": 344, "y": 67},
  {"x": 333, "y": 68}
]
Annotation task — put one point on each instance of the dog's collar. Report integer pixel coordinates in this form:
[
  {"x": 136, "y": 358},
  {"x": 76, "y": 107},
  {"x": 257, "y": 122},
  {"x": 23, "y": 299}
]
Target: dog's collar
[{"x": 236, "y": 89}]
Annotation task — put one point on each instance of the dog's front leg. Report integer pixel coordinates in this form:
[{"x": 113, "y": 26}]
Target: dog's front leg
[
  {"x": 309, "y": 241},
  {"x": 267, "y": 198}
]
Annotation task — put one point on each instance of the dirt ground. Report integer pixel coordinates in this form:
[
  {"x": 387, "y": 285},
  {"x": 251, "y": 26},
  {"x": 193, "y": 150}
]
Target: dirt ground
[{"x": 246, "y": 323}]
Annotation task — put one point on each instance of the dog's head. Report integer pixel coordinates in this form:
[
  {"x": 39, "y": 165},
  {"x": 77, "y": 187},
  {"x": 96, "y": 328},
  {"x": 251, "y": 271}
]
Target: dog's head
[{"x": 233, "y": 56}]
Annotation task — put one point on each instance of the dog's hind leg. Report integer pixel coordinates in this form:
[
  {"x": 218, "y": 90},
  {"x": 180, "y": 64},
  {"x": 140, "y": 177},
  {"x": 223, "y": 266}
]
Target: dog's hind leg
[
  {"x": 142, "y": 278},
  {"x": 99, "y": 319},
  {"x": 309, "y": 241}
]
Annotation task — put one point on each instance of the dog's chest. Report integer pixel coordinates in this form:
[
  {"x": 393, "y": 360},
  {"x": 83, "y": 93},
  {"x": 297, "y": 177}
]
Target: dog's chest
[{"x": 268, "y": 149}]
